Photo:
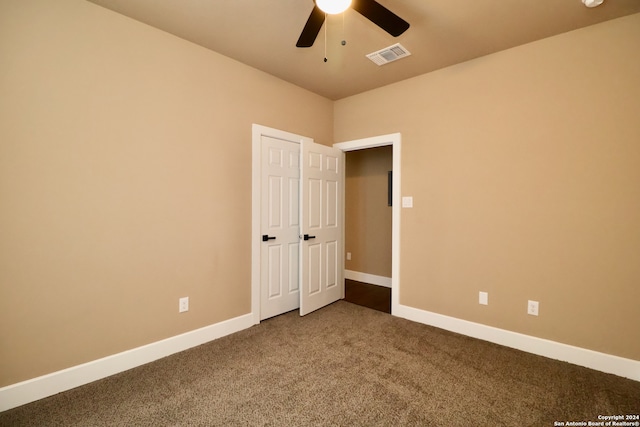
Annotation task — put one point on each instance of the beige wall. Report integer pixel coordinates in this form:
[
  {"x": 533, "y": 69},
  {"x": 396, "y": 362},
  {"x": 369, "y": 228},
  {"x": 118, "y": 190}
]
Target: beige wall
[
  {"x": 125, "y": 182},
  {"x": 367, "y": 214},
  {"x": 524, "y": 168}
]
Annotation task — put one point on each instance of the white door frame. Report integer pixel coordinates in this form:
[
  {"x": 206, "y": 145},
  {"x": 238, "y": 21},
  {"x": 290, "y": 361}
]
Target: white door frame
[{"x": 394, "y": 140}]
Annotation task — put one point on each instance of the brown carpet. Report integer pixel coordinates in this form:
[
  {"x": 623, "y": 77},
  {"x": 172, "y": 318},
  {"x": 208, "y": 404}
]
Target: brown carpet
[{"x": 344, "y": 365}]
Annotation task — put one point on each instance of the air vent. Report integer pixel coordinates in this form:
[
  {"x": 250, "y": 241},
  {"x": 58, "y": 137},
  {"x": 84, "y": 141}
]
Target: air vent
[{"x": 389, "y": 54}]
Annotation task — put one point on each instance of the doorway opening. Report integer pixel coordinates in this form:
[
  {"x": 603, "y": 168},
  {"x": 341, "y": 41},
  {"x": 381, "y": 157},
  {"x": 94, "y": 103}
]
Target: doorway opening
[
  {"x": 393, "y": 140},
  {"x": 367, "y": 225}
]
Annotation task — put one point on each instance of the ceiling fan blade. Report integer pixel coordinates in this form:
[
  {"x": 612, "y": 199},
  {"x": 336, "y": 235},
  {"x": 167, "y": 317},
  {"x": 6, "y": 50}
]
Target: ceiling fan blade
[
  {"x": 381, "y": 16},
  {"x": 311, "y": 28}
]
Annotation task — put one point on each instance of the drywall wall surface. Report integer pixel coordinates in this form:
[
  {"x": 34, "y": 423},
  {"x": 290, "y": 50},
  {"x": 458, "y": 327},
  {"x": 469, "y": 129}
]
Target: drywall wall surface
[
  {"x": 523, "y": 166},
  {"x": 367, "y": 213},
  {"x": 125, "y": 182}
]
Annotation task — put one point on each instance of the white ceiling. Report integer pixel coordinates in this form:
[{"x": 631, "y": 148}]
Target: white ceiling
[{"x": 263, "y": 34}]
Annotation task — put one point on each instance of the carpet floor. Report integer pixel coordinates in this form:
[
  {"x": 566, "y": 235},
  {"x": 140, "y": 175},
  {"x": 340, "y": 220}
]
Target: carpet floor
[{"x": 343, "y": 365}]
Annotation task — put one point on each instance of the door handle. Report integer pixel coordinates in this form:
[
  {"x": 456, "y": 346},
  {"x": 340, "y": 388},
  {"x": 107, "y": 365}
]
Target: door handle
[
  {"x": 266, "y": 238},
  {"x": 307, "y": 237}
]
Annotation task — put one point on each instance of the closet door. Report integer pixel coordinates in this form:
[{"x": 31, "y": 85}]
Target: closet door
[
  {"x": 321, "y": 208},
  {"x": 280, "y": 227}
]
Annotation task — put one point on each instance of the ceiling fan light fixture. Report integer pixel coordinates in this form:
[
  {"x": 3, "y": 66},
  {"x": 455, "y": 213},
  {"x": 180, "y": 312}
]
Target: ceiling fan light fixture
[
  {"x": 592, "y": 3},
  {"x": 333, "y": 7}
]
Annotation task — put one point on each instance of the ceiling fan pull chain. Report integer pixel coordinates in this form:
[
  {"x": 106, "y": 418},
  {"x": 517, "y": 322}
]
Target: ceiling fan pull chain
[
  {"x": 344, "y": 40},
  {"x": 326, "y": 24}
]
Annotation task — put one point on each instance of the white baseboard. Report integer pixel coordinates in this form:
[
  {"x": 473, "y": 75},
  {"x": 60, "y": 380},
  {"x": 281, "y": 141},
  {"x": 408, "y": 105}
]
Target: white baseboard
[
  {"x": 47, "y": 385},
  {"x": 620, "y": 366},
  {"x": 368, "y": 278},
  {"x": 34, "y": 389}
]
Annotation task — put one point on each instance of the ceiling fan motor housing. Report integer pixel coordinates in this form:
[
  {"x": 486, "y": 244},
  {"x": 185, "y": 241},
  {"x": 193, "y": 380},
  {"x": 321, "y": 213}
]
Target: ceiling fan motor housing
[
  {"x": 333, "y": 7},
  {"x": 592, "y": 3}
]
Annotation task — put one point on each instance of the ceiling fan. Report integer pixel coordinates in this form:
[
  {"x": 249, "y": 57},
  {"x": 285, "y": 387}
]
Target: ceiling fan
[{"x": 370, "y": 9}]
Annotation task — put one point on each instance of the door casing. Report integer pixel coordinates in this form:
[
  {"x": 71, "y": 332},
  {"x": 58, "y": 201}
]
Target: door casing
[{"x": 395, "y": 140}]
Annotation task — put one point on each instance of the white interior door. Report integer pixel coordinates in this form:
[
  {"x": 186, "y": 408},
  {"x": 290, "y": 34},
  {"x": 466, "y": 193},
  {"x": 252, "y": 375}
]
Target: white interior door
[
  {"x": 280, "y": 227},
  {"x": 321, "y": 249}
]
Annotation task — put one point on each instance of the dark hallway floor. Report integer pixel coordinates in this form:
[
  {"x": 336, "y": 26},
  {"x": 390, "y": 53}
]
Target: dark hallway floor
[{"x": 367, "y": 295}]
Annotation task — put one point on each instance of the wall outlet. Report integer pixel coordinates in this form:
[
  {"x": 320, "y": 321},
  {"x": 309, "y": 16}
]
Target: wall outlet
[
  {"x": 483, "y": 298},
  {"x": 532, "y": 308},
  {"x": 407, "y": 201},
  {"x": 348, "y": 256},
  {"x": 183, "y": 305}
]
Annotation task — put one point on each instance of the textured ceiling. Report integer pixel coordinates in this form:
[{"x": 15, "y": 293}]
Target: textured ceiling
[{"x": 263, "y": 34}]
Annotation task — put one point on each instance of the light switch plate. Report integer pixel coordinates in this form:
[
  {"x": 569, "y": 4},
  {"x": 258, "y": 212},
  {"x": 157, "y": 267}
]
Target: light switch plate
[{"x": 483, "y": 298}]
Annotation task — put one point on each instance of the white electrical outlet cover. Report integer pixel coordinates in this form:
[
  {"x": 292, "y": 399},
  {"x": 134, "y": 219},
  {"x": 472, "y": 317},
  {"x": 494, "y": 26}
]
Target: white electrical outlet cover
[
  {"x": 183, "y": 304},
  {"x": 407, "y": 202}
]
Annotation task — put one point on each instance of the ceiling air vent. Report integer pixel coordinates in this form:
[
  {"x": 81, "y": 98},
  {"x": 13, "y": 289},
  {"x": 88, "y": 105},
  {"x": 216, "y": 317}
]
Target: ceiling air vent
[{"x": 389, "y": 54}]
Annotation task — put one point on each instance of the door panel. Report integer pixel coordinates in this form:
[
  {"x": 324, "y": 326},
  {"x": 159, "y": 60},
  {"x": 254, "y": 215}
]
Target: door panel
[
  {"x": 332, "y": 205},
  {"x": 313, "y": 275},
  {"x": 294, "y": 270},
  {"x": 332, "y": 264},
  {"x": 322, "y": 183},
  {"x": 314, "y": 205}
]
